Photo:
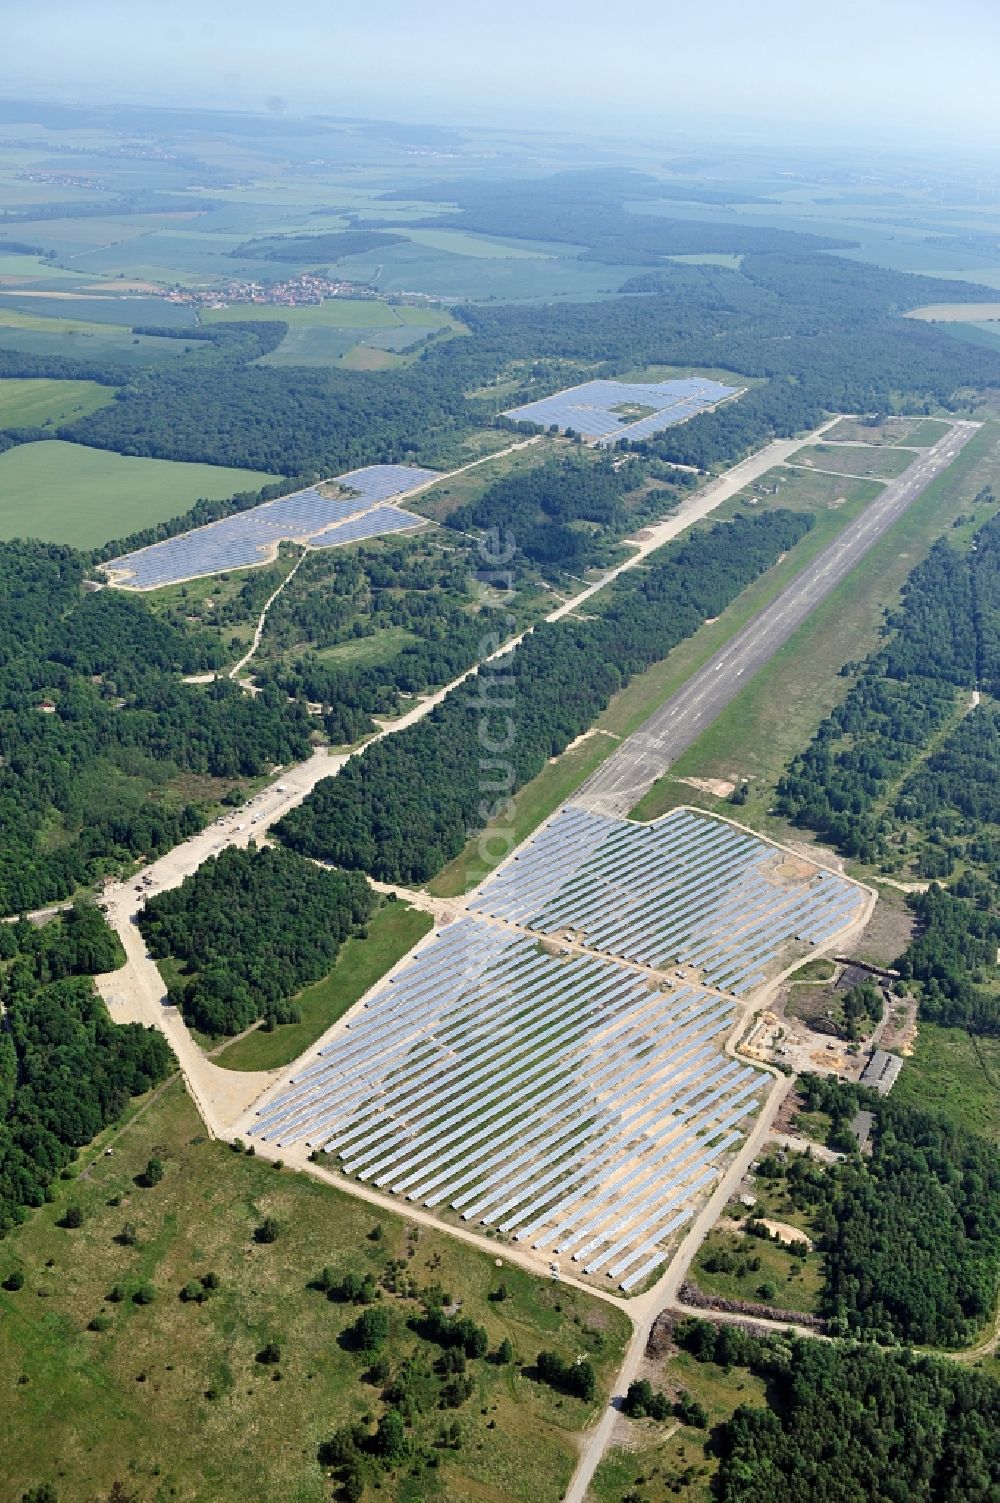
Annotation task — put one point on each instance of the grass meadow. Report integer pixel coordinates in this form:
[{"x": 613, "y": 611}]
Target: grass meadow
[{"x": 169, "y": 1399}]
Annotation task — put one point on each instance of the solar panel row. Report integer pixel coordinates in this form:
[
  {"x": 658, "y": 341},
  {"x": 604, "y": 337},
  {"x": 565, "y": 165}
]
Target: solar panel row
[
  {"x": 548, "y": 1092},
  {"x": 249, "y": 537}
]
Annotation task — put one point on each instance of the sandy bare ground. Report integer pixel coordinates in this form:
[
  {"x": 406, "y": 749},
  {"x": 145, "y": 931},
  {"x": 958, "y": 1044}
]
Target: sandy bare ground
[
  {"x": 786, "y": 1233},
  {"x": 956, "y": 313}
]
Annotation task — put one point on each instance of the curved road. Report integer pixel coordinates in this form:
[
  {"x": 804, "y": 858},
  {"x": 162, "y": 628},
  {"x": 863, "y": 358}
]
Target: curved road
[{"x": 620, "y": 782}]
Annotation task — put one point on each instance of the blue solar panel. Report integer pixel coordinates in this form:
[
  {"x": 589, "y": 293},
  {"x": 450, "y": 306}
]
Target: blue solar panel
[
  {"x": 590, "y": 409},
  {"x": 251, "y": 537}
]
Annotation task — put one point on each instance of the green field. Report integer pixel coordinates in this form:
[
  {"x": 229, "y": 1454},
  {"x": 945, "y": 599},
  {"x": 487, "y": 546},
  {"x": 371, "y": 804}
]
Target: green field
[
  {"x": 883, "y": 463},
  {"x": 334, "y": 313},
  {"x": 393, "y": 930},
  {"x": 32, "y": 403},
  {"x": 67, "y": 493},
  {"x": 169, "y": 1400},
  {"x": 957, "y": 1075}
]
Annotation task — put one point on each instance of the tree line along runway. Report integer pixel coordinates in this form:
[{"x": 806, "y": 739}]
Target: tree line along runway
[{"x": 632, "y": 769}]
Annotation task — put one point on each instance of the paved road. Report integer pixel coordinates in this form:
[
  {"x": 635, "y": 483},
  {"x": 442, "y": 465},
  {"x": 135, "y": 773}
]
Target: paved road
[{"x": 631, "y": 771}]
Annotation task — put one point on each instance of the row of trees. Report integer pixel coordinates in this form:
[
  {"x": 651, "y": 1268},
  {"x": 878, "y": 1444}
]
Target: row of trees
[
  {"x": 251, "y": 928},
  {"x": 66, "y": 1070},
  {"x": 405, "y": 806}
]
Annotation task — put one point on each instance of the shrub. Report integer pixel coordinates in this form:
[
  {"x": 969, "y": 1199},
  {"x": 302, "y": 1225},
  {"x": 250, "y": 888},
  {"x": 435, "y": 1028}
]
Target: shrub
[
  {"x": 268, "y": 1230},
  {"x": 151, "y": 1175},
  {"x": 576, "y": 1378}
]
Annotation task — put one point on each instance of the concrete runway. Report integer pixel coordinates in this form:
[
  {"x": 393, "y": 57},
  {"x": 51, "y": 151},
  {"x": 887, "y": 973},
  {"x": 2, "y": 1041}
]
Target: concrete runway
[{"x": 621, "y": 781}]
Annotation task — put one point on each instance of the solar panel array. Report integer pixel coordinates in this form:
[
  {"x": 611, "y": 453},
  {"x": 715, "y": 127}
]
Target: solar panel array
[
  {"x": 590, "y": 409},
  {"x": 369, "y": 524},
  {"x": 684, "y": 890},
  {"x": 249, "y": 537},
  {"x": 559, "y": 1097}
]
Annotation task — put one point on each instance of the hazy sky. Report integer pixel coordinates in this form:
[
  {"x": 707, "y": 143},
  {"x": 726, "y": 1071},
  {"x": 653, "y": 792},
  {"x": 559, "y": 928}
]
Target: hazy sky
[{"x": 891, "y": 67}]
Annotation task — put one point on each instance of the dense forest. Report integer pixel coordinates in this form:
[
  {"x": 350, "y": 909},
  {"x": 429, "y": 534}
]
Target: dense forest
[
  {"x": 66, "y": 1070},
  {"x": 910, "y": 1233},
  {"x": 98, "y": 731},
  {"x": 850, "y": 1424},
  {"x": 405, "y": 805},
  {"x": 250, "y": 928},
  {"x": 539, "y": 512}
]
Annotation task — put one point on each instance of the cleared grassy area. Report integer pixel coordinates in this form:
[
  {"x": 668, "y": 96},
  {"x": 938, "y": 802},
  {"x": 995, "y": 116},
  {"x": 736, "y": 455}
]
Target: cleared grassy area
[
  {"x": 170, "y": 1399},
  {"x": 667, "y": 1461},
  {"x": 67, "y": 493},
  {"x": 787, "y": 1282},
  {"x": 953, "y": 1073},
  {"x": 882, "y": 462},
  {"x": 30, "y": 403},
  {"x": 365, "y": 357},
  {"x": 927, "y": 433},
  {"x": 917, "y": 433},
  {"x": 459, "y": 490},
  {"x": 361, "y": 652},
  {"x": 392, "y": 931},
  {"x": 779, "y": 710}
]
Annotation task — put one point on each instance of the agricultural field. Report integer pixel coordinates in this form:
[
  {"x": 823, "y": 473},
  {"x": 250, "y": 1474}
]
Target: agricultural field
[
  {"x": 66, "y": 493},
  {"x": 178, "y": 1396},
  {"x": 359, "y": 333},
  {"x": 38, "y": 402}
]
